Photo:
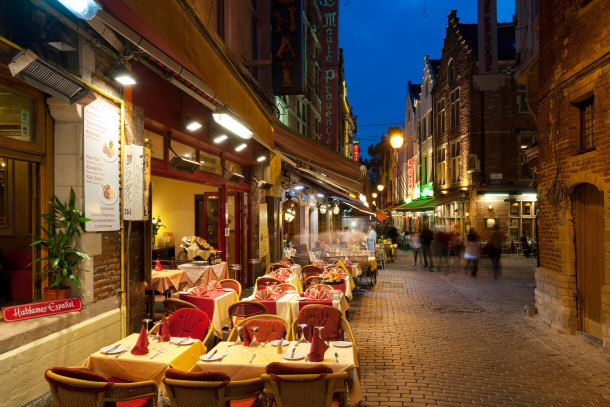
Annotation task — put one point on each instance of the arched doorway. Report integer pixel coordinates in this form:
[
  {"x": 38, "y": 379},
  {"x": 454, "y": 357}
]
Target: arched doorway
[{"x": 588, "y": 203}]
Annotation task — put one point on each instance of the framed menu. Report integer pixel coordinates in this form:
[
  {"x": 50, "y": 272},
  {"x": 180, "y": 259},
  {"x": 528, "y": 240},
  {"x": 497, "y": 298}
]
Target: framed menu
[{"x": 101, "y": 166}]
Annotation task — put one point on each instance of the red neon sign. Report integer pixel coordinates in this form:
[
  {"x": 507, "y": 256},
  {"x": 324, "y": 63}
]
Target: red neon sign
[{"x": 40, "y": 309}]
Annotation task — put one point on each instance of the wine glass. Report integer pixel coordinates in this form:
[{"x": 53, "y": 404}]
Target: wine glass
[
  {"x": 238, "y": 341},
  {"x": 254, "y": 343},
  {"x": 319, "y": 328},
  {"x": 147, "y": 321},
  {"x": 302, "y": 338}
]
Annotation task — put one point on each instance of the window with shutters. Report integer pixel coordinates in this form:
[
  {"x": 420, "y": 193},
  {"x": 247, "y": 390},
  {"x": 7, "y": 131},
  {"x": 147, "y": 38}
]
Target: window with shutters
[{"x": 455, "y": 108}]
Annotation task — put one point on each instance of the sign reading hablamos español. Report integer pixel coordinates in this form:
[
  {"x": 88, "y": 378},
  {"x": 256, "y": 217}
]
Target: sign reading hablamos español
[{"x": 40, "y": 309}]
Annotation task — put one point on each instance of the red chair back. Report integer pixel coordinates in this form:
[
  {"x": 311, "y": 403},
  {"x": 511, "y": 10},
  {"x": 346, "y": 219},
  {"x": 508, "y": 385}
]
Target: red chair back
[
  {"x": 268, "y": 330},
  {"x": 189, "y": 322},
  {"x": 234, "y": 284},
  {"x": 274, "y": 267},
  {"x": 263, "y": 282},
  {"x": 321, "y": 315},
  {"x": 244, "y": 309},
  {"x": 311, "y": 271}
]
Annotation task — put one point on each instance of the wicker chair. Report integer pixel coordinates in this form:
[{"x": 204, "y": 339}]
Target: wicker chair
[
  {"x": 196, "y": 393},
  {"x": 290, "y": 261},
  {"x": 244, "y": 309},
  {"x": 309, "y": 271},
  {"x": 274, "y": 267},
  {"x": 233, "y": 334},
  {"x": 286, "y": 287},
  {"x": 309, "y": 281},
  {"x": 265, "y": 281},
  {"x": 172, "y": 305},
  {"x": 69, "y": 392},
  {"x": 230, "y": 283},
  {"x": 186, "y": 322},
  {"x": 308, "y": 390}
]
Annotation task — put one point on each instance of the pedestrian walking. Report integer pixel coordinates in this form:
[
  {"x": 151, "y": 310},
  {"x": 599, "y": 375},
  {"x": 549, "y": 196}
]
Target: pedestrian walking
[
  {"x": 494, "y": 250},
  {"x": 525, "y": 246},
  {"x": 415, "y": 243},
  {"x": 426, "y": 247},
  {"x": 472, "y": 253},
  {"x": 371, "y": 238},
  {"x": 442, "y": 243}
]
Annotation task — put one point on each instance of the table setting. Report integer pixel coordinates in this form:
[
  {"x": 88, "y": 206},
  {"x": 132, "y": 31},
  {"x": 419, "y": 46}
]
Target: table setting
[
  {"x": 277, "y": 302},
  {"x": 163, "y": 280},
  {"x": 334, "y": 298},
  {"x": 214, "y": 300}
]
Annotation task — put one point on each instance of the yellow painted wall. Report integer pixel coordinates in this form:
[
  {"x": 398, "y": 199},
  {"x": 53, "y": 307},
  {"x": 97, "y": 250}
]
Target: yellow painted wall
[
  {"x": 174, "y": 202},
  {"x": 22, "y": 369}
]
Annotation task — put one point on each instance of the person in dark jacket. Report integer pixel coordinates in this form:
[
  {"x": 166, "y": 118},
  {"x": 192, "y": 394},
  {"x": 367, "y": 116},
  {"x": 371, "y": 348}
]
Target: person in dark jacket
[{"x": 426, "y": 246}]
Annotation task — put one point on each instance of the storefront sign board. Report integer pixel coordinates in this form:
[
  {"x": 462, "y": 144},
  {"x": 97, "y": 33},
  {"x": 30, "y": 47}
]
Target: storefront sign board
[
  {"x": 40, "y": 309},
  {"x": 287, "y": 47},
  {"x": 329, "y": 92},
  {"x": 263, "y": 231},
  {"x": 101, "y": 166}
]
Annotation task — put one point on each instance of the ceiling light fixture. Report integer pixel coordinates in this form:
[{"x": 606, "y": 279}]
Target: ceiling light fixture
[
  {"x": 298, "y": 187},
  {"x": 85, "y": 9},
  {"x": 192, "y": 124},
  {"x": 241, "y": 147},
  {"x": 320, "y": 195},
  {"x": 261, "y": 158},
  {"x": 220, "y": 139},
  {"x": 230, "y": 123},
  {"x": 123, "y": 76}
]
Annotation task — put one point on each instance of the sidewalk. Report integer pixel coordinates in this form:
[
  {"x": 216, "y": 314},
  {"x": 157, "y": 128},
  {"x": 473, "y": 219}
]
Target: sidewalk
[{"x": 446, "y": 339}]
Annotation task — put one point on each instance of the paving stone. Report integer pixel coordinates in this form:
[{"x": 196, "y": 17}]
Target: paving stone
[{"x": 446, "y": 339}]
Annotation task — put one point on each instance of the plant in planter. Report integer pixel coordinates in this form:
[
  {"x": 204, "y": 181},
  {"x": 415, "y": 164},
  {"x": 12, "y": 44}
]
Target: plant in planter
[{"x": 63, "y": 230}]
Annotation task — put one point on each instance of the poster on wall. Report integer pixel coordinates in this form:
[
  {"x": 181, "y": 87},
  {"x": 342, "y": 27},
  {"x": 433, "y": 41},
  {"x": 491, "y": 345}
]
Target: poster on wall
[
  {"x": 101, "y": 166},
  {"x": 263, "y": 231}
]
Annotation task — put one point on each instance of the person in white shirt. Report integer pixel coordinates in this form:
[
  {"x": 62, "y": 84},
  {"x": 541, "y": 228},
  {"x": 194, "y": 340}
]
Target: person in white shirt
[
  {"x": 371, "y": 238},
  {"x": 415, "y": 243},
  {"x": 344, "y": 237}
]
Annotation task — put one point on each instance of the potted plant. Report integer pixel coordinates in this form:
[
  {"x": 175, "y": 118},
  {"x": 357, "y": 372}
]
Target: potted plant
[{"x": 63, "y": 230}]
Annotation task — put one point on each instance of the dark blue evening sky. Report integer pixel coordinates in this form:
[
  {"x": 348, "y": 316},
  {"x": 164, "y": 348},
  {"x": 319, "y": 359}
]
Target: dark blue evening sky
[{"x": 384, "y": 44}]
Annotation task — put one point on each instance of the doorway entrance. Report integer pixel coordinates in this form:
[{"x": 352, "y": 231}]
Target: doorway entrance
[{"x": 589, "y": 226}]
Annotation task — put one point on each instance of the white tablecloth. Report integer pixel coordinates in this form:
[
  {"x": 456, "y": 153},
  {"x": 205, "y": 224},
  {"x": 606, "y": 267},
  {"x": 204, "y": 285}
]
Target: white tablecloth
[{"x": 195, "y": 271}]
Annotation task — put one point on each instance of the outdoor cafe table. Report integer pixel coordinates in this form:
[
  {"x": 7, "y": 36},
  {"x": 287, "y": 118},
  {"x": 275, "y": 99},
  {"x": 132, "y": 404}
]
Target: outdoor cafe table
[
  {"x": 293, "y": 279},
  {"x": 294, "y": 268},
  {"x": 202, "y": 274},
  {"x": 236, "y": 364},
  {"x": 163, "y": 280},
  {"x": 216, "y": 304},
  {"x": 296, "y": 304},
  {"x": 279, "y": 305},
  {"x": 135, "y": 368}
]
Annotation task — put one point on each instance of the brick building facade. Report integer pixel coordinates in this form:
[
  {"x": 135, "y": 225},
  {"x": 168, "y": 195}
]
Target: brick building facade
[
  {"x": 572, "y": 282},
  {"x": 478, "y": 132}
]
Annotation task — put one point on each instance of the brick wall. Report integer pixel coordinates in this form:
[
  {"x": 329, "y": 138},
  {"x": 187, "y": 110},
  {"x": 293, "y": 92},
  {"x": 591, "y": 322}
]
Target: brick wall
[
  {"x": 107, "y": 267},
  {"x": 573, "y": 65}
]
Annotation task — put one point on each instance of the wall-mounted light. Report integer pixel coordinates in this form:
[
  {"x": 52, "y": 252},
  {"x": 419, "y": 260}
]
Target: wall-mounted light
[
  {"x": 241, "y": 147},
  {"x": 374, "y": 195},
  {"x": 192, "y": 124},
  {"x": 490, "y": 207},
  {"x": 336, "y": 208},
  {"x": 467, "y": 214},
  {"x": 220, "y": 139},
  {"x": 298, "y": 187},
  {"x": 85, "y": 9},
  {"x": 323, "y": 208},
  {"x": 123, "y": 76},
  {"x": 380, "y": 187},
  {"x": 289, "y": 209},
  {"x": 261, "y": 158},
  {"x": 230, "y": 123}
]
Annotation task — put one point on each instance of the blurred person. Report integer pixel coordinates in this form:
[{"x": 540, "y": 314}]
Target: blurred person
[
  {"x": 525, "y": 246},
  {"x": 415, "y": 243},
  {"x": 472, "y": 253},
  {"x": 371, "y": 238},
  {"x": 442, "y": 243},
  {"x": 494, "y": 250},
  {"x": 345, "y": 236},
  {"x": 426, "y": 247}
]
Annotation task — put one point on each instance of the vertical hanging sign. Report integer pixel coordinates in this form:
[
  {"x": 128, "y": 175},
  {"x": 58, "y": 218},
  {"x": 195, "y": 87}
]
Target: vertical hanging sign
[
  {"x": 263, "y": 231},
  {"x": 101, "y": 166},
  {"x": 287, "y": 46},
  {"x": 329, "y": 63},
  {"x": 356, "y": 150},
  {"x": 487, "y": 36}
]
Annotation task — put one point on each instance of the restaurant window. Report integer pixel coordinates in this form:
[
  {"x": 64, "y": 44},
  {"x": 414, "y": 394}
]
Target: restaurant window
[
  {"x": 521, "y": 219},
  {"x": 456, "y": 163},
  {"x": 157, "y": 144},
  {"x": 424, "y": 133},
  {"x": 522, "y": 99},
  {"x": 450, "y": 72},
  {"x": 440, "y": 118},
  {"x": 17, "y": 116},
  {"x": 440, "y": 166},
  {"x": 455, "y": 108},
  {"x": 587, "y": 141},
  {"x": 188, "y": 152}
]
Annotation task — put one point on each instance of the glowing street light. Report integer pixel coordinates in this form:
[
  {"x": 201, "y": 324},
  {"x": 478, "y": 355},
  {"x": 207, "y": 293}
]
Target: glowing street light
[
  {"x": 380, "y": 187},
  {"x": 396, "y": 137},
  {"x": 374, "y": 195}
]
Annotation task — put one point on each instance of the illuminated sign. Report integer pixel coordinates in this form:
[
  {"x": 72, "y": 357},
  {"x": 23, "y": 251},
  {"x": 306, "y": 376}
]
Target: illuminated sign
[
  {"x": 330, "y": 73},
  {"x": 356, "y": 152},
  {"x": 287, "y": 46},
  {"x": 487, "y": 37},
  {"x": 410, "y": 176}
]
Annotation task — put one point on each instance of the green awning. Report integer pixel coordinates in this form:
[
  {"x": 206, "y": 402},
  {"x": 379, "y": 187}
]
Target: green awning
[{"x": 425, "y": 204}]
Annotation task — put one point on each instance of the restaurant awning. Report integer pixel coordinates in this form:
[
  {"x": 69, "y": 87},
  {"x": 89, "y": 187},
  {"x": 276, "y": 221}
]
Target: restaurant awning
[
  {"x": 425, "y": 204},
  {"x": 355, "y": 205},
  {"x": 320, "y": 162}
]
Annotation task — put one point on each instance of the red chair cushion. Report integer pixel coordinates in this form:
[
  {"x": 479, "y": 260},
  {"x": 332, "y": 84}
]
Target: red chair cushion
[
  {"x": 247, "y": 402},
  {"x": 141, "y": 402},
  {"x": 326, "y": 316},
  {"x": 209, "y": 376},
  {"x": 268, "y": 330},
  {"x": 189, "y": 322},
  {"x": 287, "y": 369},
  {"x": 79, "y": 374}
]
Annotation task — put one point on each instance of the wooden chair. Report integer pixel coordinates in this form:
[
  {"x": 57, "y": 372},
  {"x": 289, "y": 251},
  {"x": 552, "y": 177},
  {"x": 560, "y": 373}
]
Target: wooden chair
[
  {"x": 312, "y": 281},
  {"x": 286, "y": 287},
  {"x": 244, "y": 309},
  {"x": 309, "y": 271},
  {"x": 190, "y": 322},
  {"x": 233, "y": 334},
  {"x": 172, "y": 305},
  {"x": 68, "y": 391},
  {"x": 265, "y": 281},
  {"x": 307, "y": 390},
  {"x": 230, "y": 283},
  {"x": 275, "y": 266},
  {"x": 186, "y": 389}
]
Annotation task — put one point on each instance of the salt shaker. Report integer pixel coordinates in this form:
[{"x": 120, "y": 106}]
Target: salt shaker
[{"x": 280, "y": 347}]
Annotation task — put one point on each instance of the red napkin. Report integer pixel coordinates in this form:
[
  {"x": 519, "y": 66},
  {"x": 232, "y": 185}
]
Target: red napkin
[
  {"x": 141, "y": 347},
  {"x": 285, "y": 263},
  {"x": 280, "y": 273},
  {"x": 165, "y": 336},
  {"x": 199, "y": 290},
  {"x": 214, "y": 285},
  {"x": 318, "y": 347},
  {"x": 264, "y": 294},
  {"x": 322, "y": 294},
  {"x": 158, "y": 266}
]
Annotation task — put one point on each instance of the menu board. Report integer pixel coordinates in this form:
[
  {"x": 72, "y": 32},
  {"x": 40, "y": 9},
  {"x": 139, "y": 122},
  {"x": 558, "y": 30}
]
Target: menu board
[{"x": 101, "y": 166}]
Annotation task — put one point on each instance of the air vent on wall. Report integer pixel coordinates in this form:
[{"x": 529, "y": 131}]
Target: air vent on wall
[{"x": 28, "y": 67}]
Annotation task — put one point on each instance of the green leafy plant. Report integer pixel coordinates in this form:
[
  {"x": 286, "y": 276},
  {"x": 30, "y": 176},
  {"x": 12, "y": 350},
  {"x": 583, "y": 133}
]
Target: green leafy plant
[
  {"x": 63, "y": 229},
  {"x": 156, "y": 225}
]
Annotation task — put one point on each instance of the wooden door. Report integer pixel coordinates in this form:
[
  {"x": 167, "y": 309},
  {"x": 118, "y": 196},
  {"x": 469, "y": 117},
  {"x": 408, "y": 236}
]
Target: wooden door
[{"x": 589, "y": 230}]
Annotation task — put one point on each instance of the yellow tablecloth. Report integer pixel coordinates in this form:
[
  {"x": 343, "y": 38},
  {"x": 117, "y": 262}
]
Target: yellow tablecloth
[
  {"x": 135, "y": 368},
  {"x": 164, "y": 280},
  {"x": 236, "y": 364},
  {"x": 221, "y": 311}
]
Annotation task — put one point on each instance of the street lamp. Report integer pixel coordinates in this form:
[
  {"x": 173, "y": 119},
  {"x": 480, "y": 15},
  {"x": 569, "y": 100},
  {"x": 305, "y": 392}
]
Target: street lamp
[
  {"x": 380, "y": 187},
  {"x": 374, "y": 195},
  {"x": 396, "y": 137}
]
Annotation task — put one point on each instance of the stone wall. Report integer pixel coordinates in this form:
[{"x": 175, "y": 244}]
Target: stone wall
[{"x": 107, "y": 267}]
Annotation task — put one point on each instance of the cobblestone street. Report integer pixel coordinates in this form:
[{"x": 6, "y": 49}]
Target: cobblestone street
[{"x": 446, "y": 339}]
